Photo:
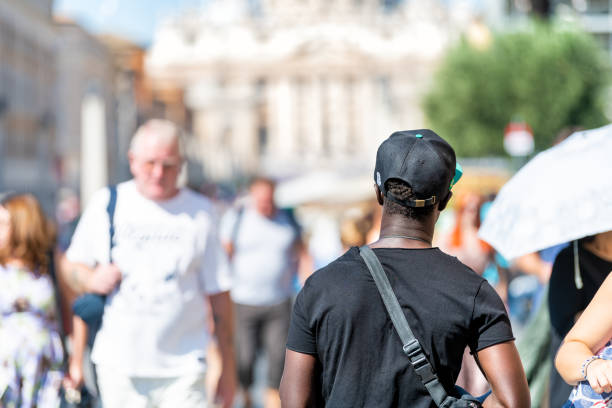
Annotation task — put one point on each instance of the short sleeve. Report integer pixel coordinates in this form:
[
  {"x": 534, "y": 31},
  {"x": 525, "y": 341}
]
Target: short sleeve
[
  {"x": 227, "y": 225},
  {"x": 90, "y": 243},
  {"x": 301, "y": 337},
  {"x": 214, "y": 273},
  {"x": 490, "y": 322}
]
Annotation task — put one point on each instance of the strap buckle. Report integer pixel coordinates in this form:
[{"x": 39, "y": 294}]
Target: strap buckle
[
  {"x": 425, "y": 371},
  {"x": 412, "y": 348}
]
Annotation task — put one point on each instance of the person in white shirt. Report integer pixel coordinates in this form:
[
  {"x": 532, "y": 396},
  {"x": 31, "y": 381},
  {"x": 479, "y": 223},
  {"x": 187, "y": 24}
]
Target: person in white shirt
[
  {"x": 266, "y": 253},
  {"x": 167, "y": 260}
]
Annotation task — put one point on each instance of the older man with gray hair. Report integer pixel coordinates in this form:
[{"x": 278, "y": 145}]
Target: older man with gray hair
[{"x": 166, "y": 262}]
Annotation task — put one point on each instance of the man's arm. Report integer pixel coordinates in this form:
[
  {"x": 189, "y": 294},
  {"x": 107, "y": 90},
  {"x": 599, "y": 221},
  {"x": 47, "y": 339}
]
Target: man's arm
[
  {"x": 305, "y": 261},
  {"x": 82, "y": 279},
  {"x": 532, "y": 264},
  {"x": 297, "y": 383},
  {"x": 502, "y": 367},
  {"x": 224, "y": 330},
  {"x": 228, "y": 247}
]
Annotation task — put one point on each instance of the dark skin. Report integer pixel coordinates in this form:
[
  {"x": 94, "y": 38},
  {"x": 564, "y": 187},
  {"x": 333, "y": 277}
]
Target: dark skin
[{"x": 500, "y": 363}]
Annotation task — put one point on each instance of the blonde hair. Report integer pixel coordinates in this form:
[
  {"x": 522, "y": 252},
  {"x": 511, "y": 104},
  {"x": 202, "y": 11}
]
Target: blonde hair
[
  {"x": 354, "y": 231},
  {"x": 31, "y": 235},
  {"x": 159, "y": 129}
]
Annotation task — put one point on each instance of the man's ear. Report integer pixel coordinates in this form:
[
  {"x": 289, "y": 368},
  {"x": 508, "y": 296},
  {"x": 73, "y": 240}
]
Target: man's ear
[
  {"x": 444, "y": 202},
  {"x": 379, "y": 196}
]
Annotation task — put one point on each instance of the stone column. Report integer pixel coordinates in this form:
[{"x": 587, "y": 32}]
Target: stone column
[
  {"x": 244, "y": 141},
  {"x": 281, "y": 118},
  {"x": 386, "y": 122},
  {"x": 208, "y": 128},
  {"x": 94, "y": 161},
  {"x": 365, "y": 113},
  {"x": 338, "y": 116},
  {"x": 313, "y": 116}
]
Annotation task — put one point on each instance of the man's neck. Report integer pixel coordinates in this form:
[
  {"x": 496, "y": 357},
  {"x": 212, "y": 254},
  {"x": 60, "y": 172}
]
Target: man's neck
[
  {"x": 163, "y": 199},
  {"x": 397, "y": 231}
]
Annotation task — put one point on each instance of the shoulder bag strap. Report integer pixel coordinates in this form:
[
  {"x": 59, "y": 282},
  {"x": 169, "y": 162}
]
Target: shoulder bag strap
[
  {"x": 236, "y": 226},
  {"x": 110, "y": 210},
  {"x": 411, "y": 346}
]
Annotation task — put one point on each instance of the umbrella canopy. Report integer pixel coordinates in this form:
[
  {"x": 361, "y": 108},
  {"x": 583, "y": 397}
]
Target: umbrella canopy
[{"x": 562, "y": 194}]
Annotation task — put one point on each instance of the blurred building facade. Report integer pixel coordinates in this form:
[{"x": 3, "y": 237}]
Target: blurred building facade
[
  {"x": 69, "y": 103},
  {"x": 135, "y": 100},
  {"x": 28, "y": 66},
  {"x": 48, "y": 70},
  {"x": 85, "y": 110},
  {"x": 291, "y": 87},
  {"x": 594, "y": 16}
]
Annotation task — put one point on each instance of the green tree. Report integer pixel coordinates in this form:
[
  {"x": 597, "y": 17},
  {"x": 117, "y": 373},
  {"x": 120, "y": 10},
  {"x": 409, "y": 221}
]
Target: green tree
[{"x": 549, "y": 76}]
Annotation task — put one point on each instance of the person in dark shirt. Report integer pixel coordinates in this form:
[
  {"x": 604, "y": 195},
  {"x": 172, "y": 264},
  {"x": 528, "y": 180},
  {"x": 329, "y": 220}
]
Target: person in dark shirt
[
  {"x": 570, "y": 292},
  {"x": 342, "y": 348}
]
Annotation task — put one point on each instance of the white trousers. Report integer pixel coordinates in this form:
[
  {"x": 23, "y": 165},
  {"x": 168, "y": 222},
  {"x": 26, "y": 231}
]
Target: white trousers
[{"x": 120, "y": 391}]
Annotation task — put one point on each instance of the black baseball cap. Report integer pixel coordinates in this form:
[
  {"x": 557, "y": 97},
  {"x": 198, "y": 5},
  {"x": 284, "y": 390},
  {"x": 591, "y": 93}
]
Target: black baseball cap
[{"x": 420, "y": 158}]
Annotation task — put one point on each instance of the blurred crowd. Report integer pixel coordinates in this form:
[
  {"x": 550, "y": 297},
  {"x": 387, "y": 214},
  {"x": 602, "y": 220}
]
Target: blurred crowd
[{"x": 157, "y": 295}]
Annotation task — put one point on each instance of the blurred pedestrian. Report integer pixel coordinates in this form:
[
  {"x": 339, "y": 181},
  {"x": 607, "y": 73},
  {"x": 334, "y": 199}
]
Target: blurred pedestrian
[
  {"x": 584, "y": 357},
  {"x": 167, "y": 258},
  {"x": 342, "y": 349},
  {"x": 578, "y": 272},
  {"x": 463, "y": 241},
  {"x": 265, "y": 247},
  {"x": 31, "y": 351},
  {"x": 354, "y": 230}
]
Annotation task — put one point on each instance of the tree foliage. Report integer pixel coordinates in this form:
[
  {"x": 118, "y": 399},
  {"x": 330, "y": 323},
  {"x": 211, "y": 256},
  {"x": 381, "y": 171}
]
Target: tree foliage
[{"x": 548, "y": 76}]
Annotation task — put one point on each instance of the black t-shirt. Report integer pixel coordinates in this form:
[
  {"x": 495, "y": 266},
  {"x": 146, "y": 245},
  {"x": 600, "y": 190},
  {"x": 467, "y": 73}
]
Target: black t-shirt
[
  {"x": 565, "y": 301},
  {"x": 340, "y": 318}
]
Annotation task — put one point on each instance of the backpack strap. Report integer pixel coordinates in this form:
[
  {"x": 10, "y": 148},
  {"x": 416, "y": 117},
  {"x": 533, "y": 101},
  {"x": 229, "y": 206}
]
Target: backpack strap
[
  {"x": 110, "y": 210},
  {"x": 411, "y": 346},
  {"x": 236, "y": 226}
]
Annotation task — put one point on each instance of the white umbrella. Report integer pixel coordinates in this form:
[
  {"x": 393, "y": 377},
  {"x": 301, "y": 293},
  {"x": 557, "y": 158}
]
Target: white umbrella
[{"x": 562, "y": 194}]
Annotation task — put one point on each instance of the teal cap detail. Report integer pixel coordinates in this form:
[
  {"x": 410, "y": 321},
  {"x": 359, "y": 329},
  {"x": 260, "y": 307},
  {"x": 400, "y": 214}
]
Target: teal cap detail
[
  {"x": 418, "y": 135},
  {"x": 458, "y": 174}
]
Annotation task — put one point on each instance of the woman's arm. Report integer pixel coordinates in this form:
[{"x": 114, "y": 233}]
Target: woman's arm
[
  {"x": 590, "y": 333},
  {"x": 502, "y": 367}
]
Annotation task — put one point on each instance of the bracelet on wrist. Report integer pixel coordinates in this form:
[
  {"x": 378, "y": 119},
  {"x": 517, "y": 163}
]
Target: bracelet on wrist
[{"x": 585, "y": 365}]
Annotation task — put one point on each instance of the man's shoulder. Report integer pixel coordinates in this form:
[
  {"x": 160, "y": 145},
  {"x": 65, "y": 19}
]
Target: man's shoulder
[
  {"x": 197, "y": 200},
  {"x": 198, "y": 207},
  {"x": 99, "y": 199},
  {"x": 338, "y": 269},
  {"x": 450, "y": 260}
]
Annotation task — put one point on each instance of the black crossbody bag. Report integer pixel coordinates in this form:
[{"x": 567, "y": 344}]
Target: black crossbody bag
[{"x": 412, "y": 348}]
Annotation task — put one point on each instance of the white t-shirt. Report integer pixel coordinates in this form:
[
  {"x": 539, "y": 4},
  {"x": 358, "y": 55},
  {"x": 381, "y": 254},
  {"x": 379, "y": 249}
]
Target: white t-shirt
[
  {"x": 169, "y": 254},
  {"x": 265, "y": 262}
]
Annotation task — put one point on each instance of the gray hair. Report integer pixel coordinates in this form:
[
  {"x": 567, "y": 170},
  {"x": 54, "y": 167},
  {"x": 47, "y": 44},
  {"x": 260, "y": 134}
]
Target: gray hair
[{"x": 161, "y": 130}]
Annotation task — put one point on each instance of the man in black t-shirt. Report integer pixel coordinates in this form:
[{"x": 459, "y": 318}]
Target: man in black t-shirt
[{"x": 342, "y": 349}]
